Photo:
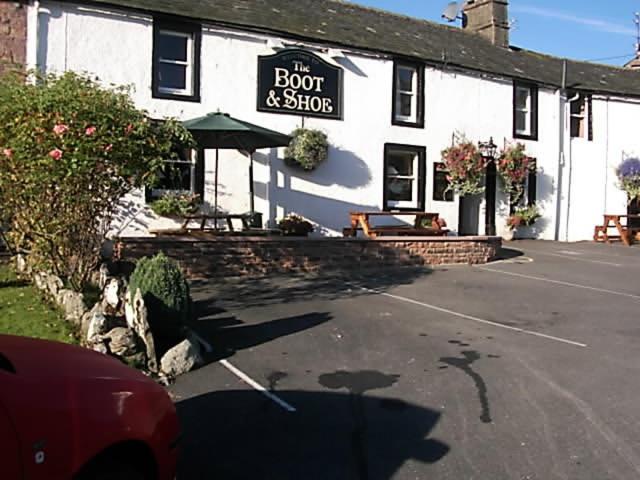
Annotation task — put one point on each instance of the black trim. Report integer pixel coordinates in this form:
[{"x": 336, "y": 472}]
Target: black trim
[
  {"x": 419, "y": 67},
  {"x": 422, "y": 167},
  {"x": 195, "y": 29},
  {"x": 533, "y": 88},
  {"x": 589, "y": 100},
  {"x": 490, "y": 199},
  {"x": 200, "y": 174}
]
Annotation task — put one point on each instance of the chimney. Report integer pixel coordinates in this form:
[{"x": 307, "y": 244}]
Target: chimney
[{"x": 489, "y": 18}]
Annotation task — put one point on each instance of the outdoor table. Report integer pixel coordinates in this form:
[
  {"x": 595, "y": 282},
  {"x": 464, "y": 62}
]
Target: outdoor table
[
  {"x": 228, "y": 217},
  {"x": 626, "y": 232},
  {"x": 361, "y": 221}
]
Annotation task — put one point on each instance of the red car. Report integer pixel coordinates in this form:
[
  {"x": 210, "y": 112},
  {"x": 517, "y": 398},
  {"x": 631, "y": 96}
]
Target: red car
[{"x": 70, "y": 413}]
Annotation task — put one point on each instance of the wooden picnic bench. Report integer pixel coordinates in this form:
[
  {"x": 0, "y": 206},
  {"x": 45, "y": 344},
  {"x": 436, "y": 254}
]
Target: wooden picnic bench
[
  {"x": 203, "y": 219},
  {"x": 360, "y": 221},
  {"x": 627, "y": 232}
]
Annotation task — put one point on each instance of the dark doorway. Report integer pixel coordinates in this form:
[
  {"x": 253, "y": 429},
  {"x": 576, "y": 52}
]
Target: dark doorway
[
  {"x": 633, "y": 208},
  {"x": 490, "y": 196}
]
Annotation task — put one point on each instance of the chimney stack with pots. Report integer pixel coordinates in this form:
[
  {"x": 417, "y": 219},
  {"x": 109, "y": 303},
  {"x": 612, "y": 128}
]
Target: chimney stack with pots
[{"x": 489, "y": 18}]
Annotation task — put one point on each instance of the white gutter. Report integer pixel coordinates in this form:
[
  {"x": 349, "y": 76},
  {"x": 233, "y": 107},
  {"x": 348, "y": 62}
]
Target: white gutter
[{"x": 33, "y": 31}]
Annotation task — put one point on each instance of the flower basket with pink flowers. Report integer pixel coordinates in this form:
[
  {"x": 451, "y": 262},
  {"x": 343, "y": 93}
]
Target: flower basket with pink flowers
[
  {"x": 466, "y": 167},
  {"x": 514, "y": 166}
]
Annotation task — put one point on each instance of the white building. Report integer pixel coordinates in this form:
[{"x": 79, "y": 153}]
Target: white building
[{"x": 406, "y": 86}]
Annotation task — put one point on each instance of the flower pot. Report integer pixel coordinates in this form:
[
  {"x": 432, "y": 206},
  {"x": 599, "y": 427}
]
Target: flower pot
[{"x": 509, "y": 234}]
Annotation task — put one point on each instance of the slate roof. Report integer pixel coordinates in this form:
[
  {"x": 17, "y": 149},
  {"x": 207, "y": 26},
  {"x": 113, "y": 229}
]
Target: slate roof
[{"x": 346, "y": 24}]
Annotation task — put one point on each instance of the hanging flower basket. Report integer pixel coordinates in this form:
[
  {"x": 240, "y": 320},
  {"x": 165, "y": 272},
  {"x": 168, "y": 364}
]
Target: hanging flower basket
[
  {"x": 307, "y": 150},
  {"x": 514, "y": 166},
  {"x": 628, "y": 174},
  {"x": 466, "y": 167}
]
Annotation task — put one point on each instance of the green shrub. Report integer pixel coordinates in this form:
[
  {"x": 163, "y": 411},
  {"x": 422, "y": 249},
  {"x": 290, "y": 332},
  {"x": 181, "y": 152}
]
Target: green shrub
[
  {"x": 176, "y": 205},
  {"x": 166, "y": 295},
  {"x": 308, "y": 148}
]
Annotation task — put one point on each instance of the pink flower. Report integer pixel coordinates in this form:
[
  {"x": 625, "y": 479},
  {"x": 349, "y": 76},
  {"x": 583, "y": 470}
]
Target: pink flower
[
  {"x": 8, "y": 152},
  {"x": 108, "y": 148},
  {"x": 56, "y": 154},
  {"x": 60, "y": 129},
  {"x": 90, "y": 131},
  {"x": 129, "y": 129}
]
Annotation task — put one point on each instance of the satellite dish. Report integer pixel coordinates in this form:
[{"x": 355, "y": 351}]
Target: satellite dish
[{"x": 451, "y": 12}]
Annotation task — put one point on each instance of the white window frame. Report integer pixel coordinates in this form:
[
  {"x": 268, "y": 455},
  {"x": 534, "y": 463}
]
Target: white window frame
[
  {"x": 413, "y": 203},
  {"x": 527, "y": 111},
  {"x": 413, "y": 118},
  {"x": 189, "y": 64},
  {"x": 582, "y": 117},
  {"x": 159, "y": 192}
]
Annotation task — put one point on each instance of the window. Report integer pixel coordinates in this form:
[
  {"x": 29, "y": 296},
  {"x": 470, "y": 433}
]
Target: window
[
  {"x": 441, "y": 192},
  {"x": 581, "y": 116},
  {"x": 525, "y": 111},
  {"x": 176, "y": 61},
  {"x": 177, "y": 175},
  {"x": 408, "y": 95},
  {"x": 404, "y": 168}
]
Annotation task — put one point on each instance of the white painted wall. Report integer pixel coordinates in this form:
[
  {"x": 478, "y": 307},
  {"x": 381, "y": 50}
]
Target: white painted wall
[{"x": 116, "y": 47}]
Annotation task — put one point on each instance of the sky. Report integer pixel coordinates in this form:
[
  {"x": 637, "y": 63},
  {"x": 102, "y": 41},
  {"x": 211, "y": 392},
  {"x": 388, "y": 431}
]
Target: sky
[{"x": 594, "y": 30}]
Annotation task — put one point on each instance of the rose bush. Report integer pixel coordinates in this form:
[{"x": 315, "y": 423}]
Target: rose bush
[
  {"x": 466, "y": 168},
  {"x": 70, "y": 150}
]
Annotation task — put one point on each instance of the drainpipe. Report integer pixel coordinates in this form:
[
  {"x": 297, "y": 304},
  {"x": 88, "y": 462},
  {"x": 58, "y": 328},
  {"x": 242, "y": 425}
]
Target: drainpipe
[{"x": 567, "y": 116}]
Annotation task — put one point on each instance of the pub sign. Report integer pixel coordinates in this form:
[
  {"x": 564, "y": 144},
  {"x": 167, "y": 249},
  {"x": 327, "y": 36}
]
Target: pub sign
[{"x": 298, "y": 82}]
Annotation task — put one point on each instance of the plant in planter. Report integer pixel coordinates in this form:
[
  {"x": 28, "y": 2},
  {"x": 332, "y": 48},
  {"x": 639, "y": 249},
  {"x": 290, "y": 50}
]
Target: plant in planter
[
  {"x": 523, "y": 216},
  {"x": 513, "y": 166},
  {"x": 176, "y": 204},
  {"x": 295, "y": 225},
  {"x": 628, "y": 174},
  {"x": 466, "y": 167},
  {"x": 308, "y": 149}
]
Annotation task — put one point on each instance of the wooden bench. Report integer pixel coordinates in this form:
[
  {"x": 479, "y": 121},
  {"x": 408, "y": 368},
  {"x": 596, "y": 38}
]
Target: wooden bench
[
  {"x": 360, "y": 221},
  {"x": 625, "y": 233}
]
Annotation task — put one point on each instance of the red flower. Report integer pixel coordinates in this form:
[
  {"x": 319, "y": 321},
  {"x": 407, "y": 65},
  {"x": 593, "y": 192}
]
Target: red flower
[
  {"x": 60, "y": 129},
  {"x": 90, "y": 131},
  {"x": 56, "y": 154},
  {"x": 8, "y": 152}
]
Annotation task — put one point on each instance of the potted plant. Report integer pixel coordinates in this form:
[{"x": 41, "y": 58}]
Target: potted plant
[
  {"x": 176, "y": 204},
  {"x": 522, "y": 216},
  {"x": 308, "y": 149},
  {"x": 295, "y": 225},
  {"x": 514, "y": 166},
  {"x": 466, "y": 167},
  {"x": 628, "y": 174}
]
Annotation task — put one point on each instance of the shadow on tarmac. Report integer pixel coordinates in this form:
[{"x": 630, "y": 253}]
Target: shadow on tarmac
[{"x": 243, "y": 435}]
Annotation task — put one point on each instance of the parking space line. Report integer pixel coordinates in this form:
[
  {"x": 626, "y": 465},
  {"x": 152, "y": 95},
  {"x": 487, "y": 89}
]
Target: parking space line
[
  {"x": 573, "y": 257},
  {"x": 475, "y": 319},
  {"x": 252, "y": 383},
  {"x": 560, "y": 282}
]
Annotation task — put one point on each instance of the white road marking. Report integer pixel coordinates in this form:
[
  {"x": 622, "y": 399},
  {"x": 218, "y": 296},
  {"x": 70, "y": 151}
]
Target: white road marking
[
  {"x": 244, "y": 377},
  {"x": 560, "y": 282},
  {"x": 475, "y": 319},
  {"x": 573, "y": 256},
  {"x": 249, "y": 381}
]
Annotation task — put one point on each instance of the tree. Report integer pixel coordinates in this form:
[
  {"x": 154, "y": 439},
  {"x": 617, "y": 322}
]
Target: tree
[{"x": 70, "y": 149}]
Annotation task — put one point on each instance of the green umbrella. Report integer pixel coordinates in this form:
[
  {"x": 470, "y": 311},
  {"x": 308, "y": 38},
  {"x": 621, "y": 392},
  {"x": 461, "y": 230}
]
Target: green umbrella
[{"x": 221, "y": 131}]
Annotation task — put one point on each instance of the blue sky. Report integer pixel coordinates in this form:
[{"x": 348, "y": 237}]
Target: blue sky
[{"x": 579, "y": 29}]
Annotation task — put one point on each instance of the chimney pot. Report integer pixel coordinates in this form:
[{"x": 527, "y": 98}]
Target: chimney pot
[{"x": 489, "y": 18}]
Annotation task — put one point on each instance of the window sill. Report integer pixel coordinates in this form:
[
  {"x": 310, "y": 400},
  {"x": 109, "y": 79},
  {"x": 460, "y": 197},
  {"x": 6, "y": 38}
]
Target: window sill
[
  {"x": 524, "y": 136},
  {"x": 174, "y": 96},
  {"x": 403, "y": 123}
]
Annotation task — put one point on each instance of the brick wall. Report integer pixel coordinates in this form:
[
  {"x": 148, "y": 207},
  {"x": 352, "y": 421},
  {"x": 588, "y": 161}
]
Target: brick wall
[
  {"x": 13, "y": 34},
  {"x": 225, "y": 257}
]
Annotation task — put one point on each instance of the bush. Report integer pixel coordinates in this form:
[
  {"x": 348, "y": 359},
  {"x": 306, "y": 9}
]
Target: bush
[
  {"x": 295, "y": 225},
  {"x": 308, "y": 149},
  {"x": 176, "y": 205},
  {"x": 166, "y": 295},
  {"x": 70, "y": 149}
]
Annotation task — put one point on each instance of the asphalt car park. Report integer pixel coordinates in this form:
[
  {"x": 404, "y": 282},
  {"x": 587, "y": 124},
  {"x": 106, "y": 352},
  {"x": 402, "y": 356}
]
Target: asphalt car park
[{"x": 522, "y": 369}]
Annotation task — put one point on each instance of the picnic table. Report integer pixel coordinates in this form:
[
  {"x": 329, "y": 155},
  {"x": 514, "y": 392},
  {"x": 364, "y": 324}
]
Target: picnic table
[
  {"x": 361, "y": 221},
  {"x": 627, "y": 232},
  {"x": 203, "y": 219}
]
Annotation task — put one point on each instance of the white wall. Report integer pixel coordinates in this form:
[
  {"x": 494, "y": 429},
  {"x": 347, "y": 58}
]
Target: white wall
[{"x": 116, "y": 47}]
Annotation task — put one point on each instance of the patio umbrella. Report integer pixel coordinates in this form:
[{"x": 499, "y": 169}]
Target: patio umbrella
[{"x": 221, "y": 131}]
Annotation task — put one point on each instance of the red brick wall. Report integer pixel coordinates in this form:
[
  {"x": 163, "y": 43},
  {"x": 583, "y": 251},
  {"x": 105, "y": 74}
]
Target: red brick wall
[
  {"x": 225, "y": 257},
  {"x": 13, "y": 34}
]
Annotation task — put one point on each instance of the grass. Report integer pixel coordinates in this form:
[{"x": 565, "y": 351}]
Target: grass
[{"x": 24, "y": 312}]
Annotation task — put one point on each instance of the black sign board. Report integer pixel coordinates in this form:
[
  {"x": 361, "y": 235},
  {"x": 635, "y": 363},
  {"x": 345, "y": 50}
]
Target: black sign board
[{"x": 297, "y": 82}]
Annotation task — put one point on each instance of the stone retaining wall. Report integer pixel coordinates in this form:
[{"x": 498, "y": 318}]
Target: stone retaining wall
[
  {"x": 13, "y": 34},
  {"x": 237, "y": 256}
]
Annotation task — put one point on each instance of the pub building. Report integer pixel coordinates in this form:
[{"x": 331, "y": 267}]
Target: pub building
[{"x": 389, "y": 91}]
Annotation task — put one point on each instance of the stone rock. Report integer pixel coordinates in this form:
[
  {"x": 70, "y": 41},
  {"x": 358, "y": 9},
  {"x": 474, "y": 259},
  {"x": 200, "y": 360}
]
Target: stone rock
[
  {"x": 181, "y": 359},
  {"x": 53, "y": 284},
  {"x": 112, "y": 291},
  {"x": 99, "y": 346},
  {"x": 22, "y": 266},
  {"x": 123, "y": 342},
  {"x": 72, "y": 304},
  {"x": 98, "y": 325},
  {"x": 103, "y": 276},
  {"x": 136, "y": 316}
]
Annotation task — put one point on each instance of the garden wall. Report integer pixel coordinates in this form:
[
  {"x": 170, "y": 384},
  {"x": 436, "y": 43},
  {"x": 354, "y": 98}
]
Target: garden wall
[
  {"x": 237, "y": 256},
  {"x": 13, "y": 34}
]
